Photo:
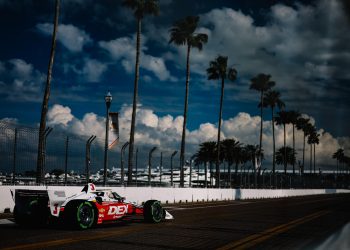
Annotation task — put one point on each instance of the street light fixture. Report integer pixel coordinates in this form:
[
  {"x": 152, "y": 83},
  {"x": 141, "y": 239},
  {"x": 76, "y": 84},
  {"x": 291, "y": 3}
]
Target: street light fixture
[{"x": 108, "y": 100}]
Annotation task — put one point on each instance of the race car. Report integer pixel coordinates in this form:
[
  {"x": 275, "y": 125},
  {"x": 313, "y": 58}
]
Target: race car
[{"x": 83, "y": 210}]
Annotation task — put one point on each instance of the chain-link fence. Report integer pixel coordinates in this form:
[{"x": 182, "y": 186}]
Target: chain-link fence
[
  {"x": 69, "y": 159},
  {"x": 73, "y": 160}
]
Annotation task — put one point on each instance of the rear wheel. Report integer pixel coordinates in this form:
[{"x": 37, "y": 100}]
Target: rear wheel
[
  {"x": 20, "y": 219},
  {"x": 153, "y": 211},
  {"x": 85, "y": 215},
  {"x": 80, "y": 215}
]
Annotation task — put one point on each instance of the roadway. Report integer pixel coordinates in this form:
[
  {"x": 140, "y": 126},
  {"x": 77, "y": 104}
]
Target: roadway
[{"x": 288, "y": 223}]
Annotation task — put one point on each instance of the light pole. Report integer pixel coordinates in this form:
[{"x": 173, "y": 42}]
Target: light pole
[
  {"x": 108, "y": 100},
  {"x": 171, "y": 167},
  {"x": 122, "y": 163}
]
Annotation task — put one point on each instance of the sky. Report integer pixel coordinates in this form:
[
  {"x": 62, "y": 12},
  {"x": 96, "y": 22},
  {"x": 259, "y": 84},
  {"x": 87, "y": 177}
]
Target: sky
[{"x": 303, "y": 45}]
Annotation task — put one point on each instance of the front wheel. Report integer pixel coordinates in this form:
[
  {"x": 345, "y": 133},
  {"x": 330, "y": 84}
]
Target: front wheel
[{"x": 153, "y": 211}]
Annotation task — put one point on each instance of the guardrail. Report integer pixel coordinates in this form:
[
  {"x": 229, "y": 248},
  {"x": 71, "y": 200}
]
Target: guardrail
[{"x": 175, "y": 195}]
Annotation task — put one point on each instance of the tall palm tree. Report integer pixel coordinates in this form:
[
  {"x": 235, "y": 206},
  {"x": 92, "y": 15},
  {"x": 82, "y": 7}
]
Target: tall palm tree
[
  {"x": 218, "y": 70},
  {"x": 206, "y": 154},
  {"x": 272, "y": 99},
  {"x": 261, "y": 83},
  {"x": 141, "y": 8},
  {"x": 293, "y": 119},
  {"x": 282, "y": 118},
  {"x": 45, "y": 103},
  {"x": 183, "y": 33},
  {"x": 302, "y": 124},
  {"x": 339, "y": 155},
  {"x": 310, "y": 130},
  {"x": 315, "y": 138},
  {"x": 252, "y": 153},
  {"x": 285, "y": 158},
  {"x": 229, "y": 149}
]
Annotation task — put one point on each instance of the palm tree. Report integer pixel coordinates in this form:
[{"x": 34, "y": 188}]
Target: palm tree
[
  {"x": 252, "y": 153},
  {"x": 183, "y": 33},
  {"x": 302, "y": 124},
  {"x": 218, "y": 70},
  {"x": 141, "y": 8},
  {"x": 45, "y": 103},
  {"x": 206, "y": 154},
  {"x": 339, "y": 155},
  {"x": 293, "y": 119},
  {"x": 285, "y": 156},
  {"x": 261, "y": 83},
  {"x": 230, "y": 148},
  {"x": 272, "y": 99},
  {"x": 310, "y": 130},
  {"x": 282, "y": 118},
  {"x": 315, "y": 138}
]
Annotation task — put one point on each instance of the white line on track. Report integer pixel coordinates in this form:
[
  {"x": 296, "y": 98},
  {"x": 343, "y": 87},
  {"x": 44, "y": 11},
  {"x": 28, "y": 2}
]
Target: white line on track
[
  {"x": 6, "y": 222},
  {"x": 201, "y": 207}
]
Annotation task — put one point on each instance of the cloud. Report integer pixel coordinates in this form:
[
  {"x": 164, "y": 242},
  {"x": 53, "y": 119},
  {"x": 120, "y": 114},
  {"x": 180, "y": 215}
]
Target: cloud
[
  {"x": 165, "y": 132},
  {"x": 304, "y": 54},
  {"x": 123, "y": 49},
  {"x": 71, "y": 37},
  {"x": 86, "y": 69},
  {"x": 59, "y": 114},
  {"x": 19, "y": 81}
]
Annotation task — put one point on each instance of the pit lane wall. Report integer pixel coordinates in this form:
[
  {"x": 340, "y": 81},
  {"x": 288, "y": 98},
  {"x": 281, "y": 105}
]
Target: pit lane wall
[{"x": 174, "y": 195}]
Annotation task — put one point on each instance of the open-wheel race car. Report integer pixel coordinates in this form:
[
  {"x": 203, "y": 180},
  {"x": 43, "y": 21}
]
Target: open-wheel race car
[{"x": 83, "y": 210}]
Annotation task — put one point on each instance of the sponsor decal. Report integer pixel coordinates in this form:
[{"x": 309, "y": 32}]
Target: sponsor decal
[{"x": 118, "y": 210}]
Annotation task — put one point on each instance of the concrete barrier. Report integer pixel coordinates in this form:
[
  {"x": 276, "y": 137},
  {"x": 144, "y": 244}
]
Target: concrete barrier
[{"x": 174, "y": 195}]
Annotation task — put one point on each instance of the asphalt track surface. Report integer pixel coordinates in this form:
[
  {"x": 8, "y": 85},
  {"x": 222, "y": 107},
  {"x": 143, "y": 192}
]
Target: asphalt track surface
[{"x": 288, "y": 223}]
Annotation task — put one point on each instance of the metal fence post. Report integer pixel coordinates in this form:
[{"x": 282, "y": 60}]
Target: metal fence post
[
  {"x": 14, "y": 158},
  {"x": 171, "y": 167},
  {"x": 47, "y": 131},
  {"x": 160, "y": 168},
  {"x": 66, "y": 162},
  {"x": 122, "y": 162},
  {"x": 150, "y": 164},
  {"x": 136, "y": 158},
  {"x": 88, "y": 157}
]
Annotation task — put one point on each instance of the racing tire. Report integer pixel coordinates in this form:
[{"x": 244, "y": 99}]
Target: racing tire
[
  {"x": 153, "y": 211},
  {"x": 20, "y": 219},
  {"x": 35, "y": 216},
  {"x": 80, "y": 215}
]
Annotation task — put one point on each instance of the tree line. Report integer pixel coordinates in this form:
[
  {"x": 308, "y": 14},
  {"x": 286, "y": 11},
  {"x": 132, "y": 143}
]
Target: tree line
[{"x": 183, "y": 33}]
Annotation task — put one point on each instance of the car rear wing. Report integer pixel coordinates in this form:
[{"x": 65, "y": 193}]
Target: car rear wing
[{"x": 25, "y": 199}]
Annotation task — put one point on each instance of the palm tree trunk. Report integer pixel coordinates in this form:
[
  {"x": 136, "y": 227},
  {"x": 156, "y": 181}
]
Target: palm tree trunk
[
  {"x": 206, "y": 174},
  {"x": 310, "y": 158},
  {"x": 261, "y": 121},
  {"x": 285, "y": 149},
  {"x": 304, "y": 152},
  {"x": 219, "y": 132},
  {"x": 134, "y": 104},
  {"x": 293, "y": 148},
  {"x": 183, "y": 139},
  {"x": 273, "y": 142},
  {"x": 314, "y": 158},
  {"x": 45, "y": 103}
]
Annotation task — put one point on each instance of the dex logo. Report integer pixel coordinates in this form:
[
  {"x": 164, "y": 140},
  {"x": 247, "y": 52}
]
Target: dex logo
[{"x": 117, "y": 210}]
